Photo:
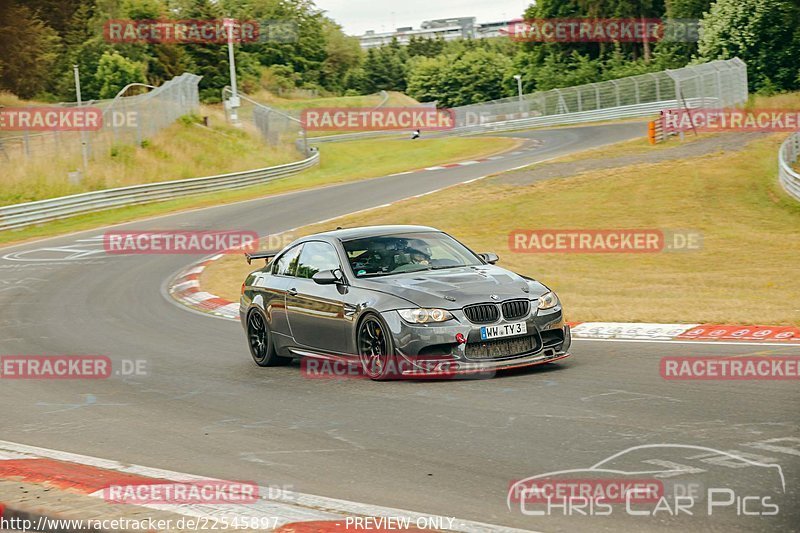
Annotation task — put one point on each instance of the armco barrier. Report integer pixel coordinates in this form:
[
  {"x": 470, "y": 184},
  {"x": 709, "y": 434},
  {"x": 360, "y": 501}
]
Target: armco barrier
[
  {"x": 616, "y": 113},
  {"x": 714, "y": 84},
  {"x": 356, "y": 136},
  {"x": 719, "y": 83},
  {"x": 21, "y": 215},
  {"x": 599, "y": 115},
  {"x": 787, "y": 156}
]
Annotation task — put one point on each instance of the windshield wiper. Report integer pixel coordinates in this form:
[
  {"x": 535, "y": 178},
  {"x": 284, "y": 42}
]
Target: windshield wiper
[
  {"x": 424, "y": 269},
  {"x": 443, "y": 267}
]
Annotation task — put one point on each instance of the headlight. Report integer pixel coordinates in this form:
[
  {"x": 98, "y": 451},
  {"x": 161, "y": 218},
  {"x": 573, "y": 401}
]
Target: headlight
[
  {"x": 548, "y": 300},
  {"x": 425, "y": 316}
]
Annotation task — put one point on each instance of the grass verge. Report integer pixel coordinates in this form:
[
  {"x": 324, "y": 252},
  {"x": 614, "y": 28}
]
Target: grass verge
[
  {"x": 742, "y": 275},
  {"x": 297, "y": 104},
  {"x": 339, "y": 163},
  {"x": 183, "y": 150}
]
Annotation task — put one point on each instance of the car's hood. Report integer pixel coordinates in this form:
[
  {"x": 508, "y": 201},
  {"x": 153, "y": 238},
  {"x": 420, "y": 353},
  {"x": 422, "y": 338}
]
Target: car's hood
[{"x": 453, "y": 288}]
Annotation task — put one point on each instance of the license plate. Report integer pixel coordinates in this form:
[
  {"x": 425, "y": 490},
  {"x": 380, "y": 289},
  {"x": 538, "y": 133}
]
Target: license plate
[{"x": 504, "y": 330}]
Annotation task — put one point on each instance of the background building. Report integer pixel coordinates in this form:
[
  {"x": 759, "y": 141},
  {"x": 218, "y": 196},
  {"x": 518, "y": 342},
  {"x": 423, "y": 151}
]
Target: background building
[{"x": 449, "y": 29}]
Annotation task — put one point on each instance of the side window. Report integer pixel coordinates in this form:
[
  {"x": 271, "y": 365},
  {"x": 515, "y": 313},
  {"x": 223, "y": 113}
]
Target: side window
[
  {"x": 317, "y": 256},
  {"x": 286, "y": 265}
]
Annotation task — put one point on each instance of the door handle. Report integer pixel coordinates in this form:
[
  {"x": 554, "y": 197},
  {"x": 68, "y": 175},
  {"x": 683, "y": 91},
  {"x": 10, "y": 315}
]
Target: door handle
[{"x": 292, "y": 292}]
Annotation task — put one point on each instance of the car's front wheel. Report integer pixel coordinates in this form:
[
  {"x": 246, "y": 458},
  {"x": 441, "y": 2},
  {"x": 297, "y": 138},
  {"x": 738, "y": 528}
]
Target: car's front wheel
[
  {"x": 375, "y": 348},
  {"x": 259, "y": 338}
]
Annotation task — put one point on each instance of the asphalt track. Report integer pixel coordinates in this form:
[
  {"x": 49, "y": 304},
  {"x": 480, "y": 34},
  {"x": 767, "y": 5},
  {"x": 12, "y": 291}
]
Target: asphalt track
[{"x": 450, "y": 447}]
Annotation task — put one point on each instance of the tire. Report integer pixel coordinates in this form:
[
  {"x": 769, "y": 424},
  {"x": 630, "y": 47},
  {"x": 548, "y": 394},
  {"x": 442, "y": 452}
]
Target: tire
[
  {"x": 376, "y": 348},
  {"x": 259, "y": 340}
]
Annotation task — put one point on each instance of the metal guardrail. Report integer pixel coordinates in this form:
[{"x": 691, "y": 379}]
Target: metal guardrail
[
  {"x": 278, "y": 125},
  {"x": 722, "y": 82},
  {"x": 275, "y": 126},
  {"x": 718, "y": 83},
  {"x": 21, "y": 215},
  {"x": 384, "y": 98},
  {"x": 599, "y": 115},
  {"x": 788, "y": 156},
  {"x": 356, "y": 136}
]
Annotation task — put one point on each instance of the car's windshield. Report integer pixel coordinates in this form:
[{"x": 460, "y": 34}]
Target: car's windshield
[{"x": 406, "y": 252}]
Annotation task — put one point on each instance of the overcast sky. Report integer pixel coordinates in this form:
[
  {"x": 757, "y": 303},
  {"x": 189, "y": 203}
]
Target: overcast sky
[{"x": 358, "y": 16}]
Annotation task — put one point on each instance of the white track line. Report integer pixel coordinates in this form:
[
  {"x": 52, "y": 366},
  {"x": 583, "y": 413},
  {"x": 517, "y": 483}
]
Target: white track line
[
  {"x": 667, "y": 341},
  {"x": 285, "y": 508}
]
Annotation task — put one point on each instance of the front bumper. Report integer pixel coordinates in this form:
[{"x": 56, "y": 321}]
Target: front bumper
[{"x": 432, "y": 349}]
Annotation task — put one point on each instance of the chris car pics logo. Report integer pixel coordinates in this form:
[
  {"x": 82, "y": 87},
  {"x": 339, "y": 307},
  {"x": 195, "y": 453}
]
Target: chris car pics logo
[{"x": 657, "y": 480}]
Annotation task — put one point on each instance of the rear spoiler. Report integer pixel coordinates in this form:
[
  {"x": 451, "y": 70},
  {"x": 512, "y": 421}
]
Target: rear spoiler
[{"x": 265, "y": 254}]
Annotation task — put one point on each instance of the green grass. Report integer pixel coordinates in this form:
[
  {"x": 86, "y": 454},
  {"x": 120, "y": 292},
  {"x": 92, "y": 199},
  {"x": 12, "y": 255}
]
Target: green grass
[
  {"x": 776, "y": 101},
  {"x": 745, "y": 272},
  {"x": 9, "y": 99},
  {"x": 339, "y": 163},
  {"x": 295, "y": 106},
  {"x": 185, "y": 149},
  {"x": 370, "y": 100}
]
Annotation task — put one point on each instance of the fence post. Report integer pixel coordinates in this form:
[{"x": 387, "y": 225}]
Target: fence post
[
  {"x": 658, "y": 89},
  {"x": 562, "y": 105}
]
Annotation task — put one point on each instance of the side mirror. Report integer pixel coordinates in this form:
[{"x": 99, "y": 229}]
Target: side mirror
[
  {"x": 327, "y": 277},
  {"x": 489, "y": 257}
]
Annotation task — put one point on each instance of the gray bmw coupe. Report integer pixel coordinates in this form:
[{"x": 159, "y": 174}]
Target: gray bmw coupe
[{"x": 398, "y": 301}]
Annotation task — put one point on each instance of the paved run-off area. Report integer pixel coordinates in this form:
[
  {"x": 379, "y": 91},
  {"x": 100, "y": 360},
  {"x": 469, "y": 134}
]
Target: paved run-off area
[{"x": 448, "y": 448}]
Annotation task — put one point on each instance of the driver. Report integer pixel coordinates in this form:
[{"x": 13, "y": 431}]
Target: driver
[{"x": 419, "y": 252}]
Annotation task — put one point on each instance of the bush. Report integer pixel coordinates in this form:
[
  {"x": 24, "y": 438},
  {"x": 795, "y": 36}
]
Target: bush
[{"x": 763, "y": 33}]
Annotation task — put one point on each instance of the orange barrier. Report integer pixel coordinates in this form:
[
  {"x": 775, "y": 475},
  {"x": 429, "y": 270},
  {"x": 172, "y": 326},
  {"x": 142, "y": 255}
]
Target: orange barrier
[{"x": 655, "y": 131}]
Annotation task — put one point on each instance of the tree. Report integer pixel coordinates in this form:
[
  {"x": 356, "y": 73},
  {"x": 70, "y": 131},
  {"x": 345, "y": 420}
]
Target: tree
[
  {"x": 28, "y": 50},
  {"x": 304, "y": 46},
  {"x": 87, "y": 56},
  {"x": 674, "y": 52},
  {"x": 57, "y": 14},
  {"x": 426, "y": 78},
  {"x": 558, "y": 71},
  {"x": 385, "y": 68},
  {"x": 687, "y": 9},
  {"x": 480, "y": 75},
  {"x": 763, "y": 33},
  {"x": 115, "y": 72},
  {"x": 425, "y": 46},
  {"x": 476, "y": 76},
  {"x": 210, "y": 59},
  {"x": 143, "y": 9},
  {"x": 342, "y": 55},
  {"x": 167, "y": 61}
]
